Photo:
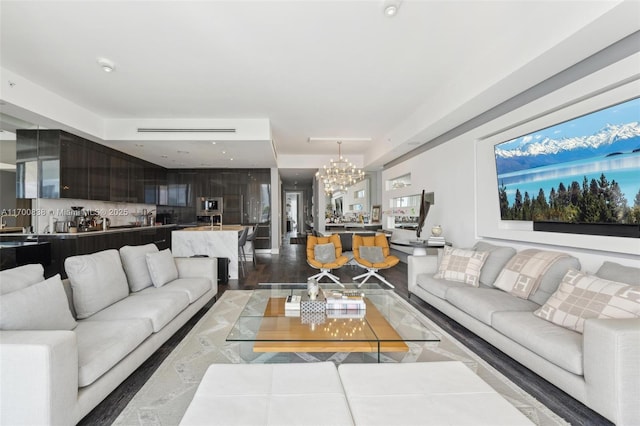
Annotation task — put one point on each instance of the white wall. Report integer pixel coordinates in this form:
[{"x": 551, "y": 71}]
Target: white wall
[{"x": 461, "y": 173}]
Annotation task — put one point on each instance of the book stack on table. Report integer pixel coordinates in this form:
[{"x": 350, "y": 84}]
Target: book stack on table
[
  {"x": 436, "y": 241},
  {"x": 292, "y": 306},
  {"x": 344, "y": 300}
]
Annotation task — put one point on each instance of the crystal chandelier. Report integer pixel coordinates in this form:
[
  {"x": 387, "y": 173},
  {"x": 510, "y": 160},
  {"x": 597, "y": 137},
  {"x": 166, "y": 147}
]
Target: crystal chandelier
[{"x": 340, "y": 174}]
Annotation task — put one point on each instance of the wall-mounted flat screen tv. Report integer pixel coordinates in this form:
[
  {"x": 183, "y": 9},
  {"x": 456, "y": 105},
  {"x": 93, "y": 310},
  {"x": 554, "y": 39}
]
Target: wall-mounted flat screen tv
[{"x": 582, "y": 171}]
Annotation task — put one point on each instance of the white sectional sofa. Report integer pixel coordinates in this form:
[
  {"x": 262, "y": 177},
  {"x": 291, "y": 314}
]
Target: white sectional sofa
[
  {"x": 599, "y": 367},
  {"x": 65, "y": 346}
]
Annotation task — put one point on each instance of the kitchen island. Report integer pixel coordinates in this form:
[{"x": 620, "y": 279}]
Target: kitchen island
[{"x": 212, "y": 241}]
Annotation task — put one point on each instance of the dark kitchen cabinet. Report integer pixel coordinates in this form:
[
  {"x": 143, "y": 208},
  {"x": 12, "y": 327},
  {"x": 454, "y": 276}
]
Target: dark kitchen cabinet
[
  {"x": 155, "y": 184},
  {"x": 60, "y": 169},
  {"x": 99, "y": 172},
  {"x": 74, "y": 167},
  {"x": 119, "y": 181}
]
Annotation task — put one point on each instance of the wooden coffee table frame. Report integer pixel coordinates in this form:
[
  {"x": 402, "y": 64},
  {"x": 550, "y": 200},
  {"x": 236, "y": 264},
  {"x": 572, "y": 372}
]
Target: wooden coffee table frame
[{"x": 280, "y": 333}]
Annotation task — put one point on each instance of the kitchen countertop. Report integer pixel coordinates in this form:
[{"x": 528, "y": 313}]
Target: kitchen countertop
[
  {"x": 214, "y": 228},
  {"x": 91, "y": 233}
]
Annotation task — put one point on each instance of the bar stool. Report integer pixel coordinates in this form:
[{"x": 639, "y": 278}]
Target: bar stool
[
  {"x": 242, "y": 240},
  {"x": 251, "y": 239}
]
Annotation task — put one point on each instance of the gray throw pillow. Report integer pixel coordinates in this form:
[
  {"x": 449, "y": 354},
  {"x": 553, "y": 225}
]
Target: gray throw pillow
[
  {"x": 134, "y": 262},
  {"x": 20, "y": 277},
  {"x": 98, "y": 281},
  {"x": 325, "y": 253},
  {"x": 553, "y": 277},
  {"x": 497, "y": 259},
  {"x": 616, "y": 272},
  {"x": 41, "y": 306},
  {"x": 372, "y": 254},
  {"x": 162, "y": 267}
]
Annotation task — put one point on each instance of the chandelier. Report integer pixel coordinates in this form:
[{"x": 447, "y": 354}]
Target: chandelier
[{"x": 340, "y": 174}]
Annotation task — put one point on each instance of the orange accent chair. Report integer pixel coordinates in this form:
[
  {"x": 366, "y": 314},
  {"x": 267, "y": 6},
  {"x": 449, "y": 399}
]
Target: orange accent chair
[
  {"x": 320, "y": 255},
  {"x": 372, "y": 253}
]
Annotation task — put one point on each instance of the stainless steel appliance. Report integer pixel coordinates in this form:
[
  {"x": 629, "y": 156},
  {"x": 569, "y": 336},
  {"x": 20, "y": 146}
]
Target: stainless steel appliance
[{"x": 208, "y": 206}]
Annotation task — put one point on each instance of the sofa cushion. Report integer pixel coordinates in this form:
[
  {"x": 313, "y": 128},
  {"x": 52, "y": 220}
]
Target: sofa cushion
[
  {"x": 521, "y": 276},
  {"x": 194, "y": 288},
  {"x": 461, "y": 265},
  {"x": 481, "y": 303},
  {"x": 102, "y": 344},
  {"x": 20, "y": 277},
  {"x": 134, "y": 262},
  {"x": 552, "y": 278},
  {"x": 437, "y": 287},
  {"x": 557, "y": 345},
  {"x": 497, "y": 258},
  {"x": 97, "y": 280},
  {"x": 162, "y": 267},
  {"x": 41, "y": 306},
  {"x": 324, "y": 253},
  {"x": 159, "y": 308},
  {"x": 582, "y": 296},
  {"x": 622, "y": 274}
]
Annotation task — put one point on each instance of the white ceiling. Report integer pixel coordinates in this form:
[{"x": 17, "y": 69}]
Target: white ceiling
[{"x": 311, "y": 68}]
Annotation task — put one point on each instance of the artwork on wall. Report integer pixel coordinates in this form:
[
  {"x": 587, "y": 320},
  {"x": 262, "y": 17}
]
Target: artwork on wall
[
  {"x": 581, "y": 175},
  {"x": 375, "y": 213}
]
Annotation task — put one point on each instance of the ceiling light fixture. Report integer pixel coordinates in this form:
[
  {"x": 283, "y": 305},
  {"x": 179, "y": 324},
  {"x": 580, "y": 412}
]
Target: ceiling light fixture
[
  {"x": 106, "y": 65},
  {"x": 334, "y": 139},
  {"x": 171, "y": 130},
  {"x": 340, "y": 174},
  {"x": 391, "y": 8}
]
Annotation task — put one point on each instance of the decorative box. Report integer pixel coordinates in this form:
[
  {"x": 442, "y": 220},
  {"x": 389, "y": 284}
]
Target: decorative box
[
  {"x": 308, "y": 305},
  {"x": 312, "y": 318}
]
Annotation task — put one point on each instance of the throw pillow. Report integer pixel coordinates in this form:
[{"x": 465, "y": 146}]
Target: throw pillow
[
  {"x": 461, "y": 265},
  {"x": 20, "y": 277},
  {"x": 620, "y": 273},
  {"x": 162, "y": 267},
  {"x": 325, "y": 253},
  {"x": 97, "y": 280},
  {"x": 41, "y": 306},
  {"x": 372, "y": 254},
  {"x": 497, "y": 258},
  {"x": 134, "y": 262},
  {"x": 582, "y": 296},
  {"x": 522, "y": 275}
]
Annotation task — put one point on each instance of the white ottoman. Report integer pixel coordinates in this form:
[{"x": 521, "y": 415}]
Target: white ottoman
[
  {"x": 269, "y": 394},
  {"x": 424, "y": 393}
]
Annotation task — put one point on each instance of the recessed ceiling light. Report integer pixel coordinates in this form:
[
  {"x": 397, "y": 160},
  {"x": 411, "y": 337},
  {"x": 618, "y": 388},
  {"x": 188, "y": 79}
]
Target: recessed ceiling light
[
  {"x": 230, "y": 159},
  {"x": 391, "y": 7},
  {"x": 224, "y": 152},
  {"x": 106, "y": 65},
  {"x": 213, "y": 142}
]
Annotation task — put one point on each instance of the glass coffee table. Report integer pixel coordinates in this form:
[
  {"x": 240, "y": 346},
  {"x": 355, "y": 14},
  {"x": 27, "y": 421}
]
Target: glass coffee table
[{"x": 387, "y": 324}]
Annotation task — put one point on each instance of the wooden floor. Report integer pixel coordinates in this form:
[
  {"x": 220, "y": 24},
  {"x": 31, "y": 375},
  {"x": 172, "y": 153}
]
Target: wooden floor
[{"x": 290, "y": 266}]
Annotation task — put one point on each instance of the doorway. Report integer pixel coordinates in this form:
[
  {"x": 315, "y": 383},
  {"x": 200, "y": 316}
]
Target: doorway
[{"x": 294, "y": 220}]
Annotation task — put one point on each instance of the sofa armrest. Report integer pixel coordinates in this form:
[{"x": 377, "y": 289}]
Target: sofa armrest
[
  {"x": 612, "y": 368},
  {"x": 417, "y": 265},
  {"x": 38, "y": 377},
  {"x": 197, "y": 267}
]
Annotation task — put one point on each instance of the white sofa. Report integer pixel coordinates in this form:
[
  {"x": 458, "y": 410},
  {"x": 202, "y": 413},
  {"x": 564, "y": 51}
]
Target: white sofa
[
  {"x": 599, "y": 367},
  {"x": 56, "y": 365}
]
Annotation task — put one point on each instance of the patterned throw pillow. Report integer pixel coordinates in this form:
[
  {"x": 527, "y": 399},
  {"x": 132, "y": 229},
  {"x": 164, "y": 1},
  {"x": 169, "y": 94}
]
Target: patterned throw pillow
[
  {"x": 325, "y": 253},
  {"x": 461, "y": 265},
  {"x": 581, "y": 296}
]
